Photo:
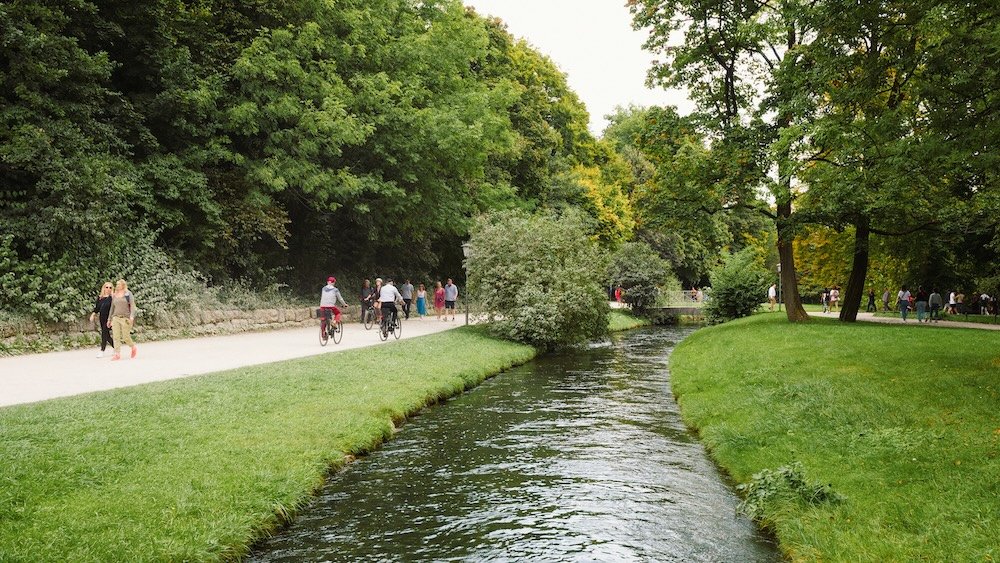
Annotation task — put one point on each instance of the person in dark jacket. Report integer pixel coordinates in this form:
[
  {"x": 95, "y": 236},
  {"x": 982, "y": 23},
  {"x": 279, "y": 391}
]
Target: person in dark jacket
[{"x": 102, "y": 311}]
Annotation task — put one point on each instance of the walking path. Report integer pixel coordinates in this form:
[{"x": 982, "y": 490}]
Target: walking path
[
  {"x": 37, "y": 377},
  {"x": 912, "y": 320}
]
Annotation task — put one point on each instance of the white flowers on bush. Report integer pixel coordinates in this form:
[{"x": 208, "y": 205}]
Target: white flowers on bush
[{"x": 538, "y": 278}]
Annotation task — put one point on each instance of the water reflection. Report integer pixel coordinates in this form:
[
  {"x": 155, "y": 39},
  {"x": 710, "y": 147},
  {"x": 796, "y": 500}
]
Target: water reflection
[{"x": 573, "y": 457}]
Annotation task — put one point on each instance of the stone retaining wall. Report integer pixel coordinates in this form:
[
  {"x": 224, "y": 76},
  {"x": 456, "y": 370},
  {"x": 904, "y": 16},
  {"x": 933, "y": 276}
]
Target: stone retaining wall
[{"x": 27, "y": 337}]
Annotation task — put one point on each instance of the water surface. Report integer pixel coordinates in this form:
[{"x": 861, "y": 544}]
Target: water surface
[{"x": 580, "y": 456}]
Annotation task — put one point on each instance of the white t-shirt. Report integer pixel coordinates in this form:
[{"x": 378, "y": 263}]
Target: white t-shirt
[
  {"x": 771, "y": 293},
  {"x": 389, "y": 294}
]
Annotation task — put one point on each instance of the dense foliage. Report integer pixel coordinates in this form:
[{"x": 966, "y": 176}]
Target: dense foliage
[
  {"x": 874, "y": 119},
  {"x": 538, "y": 279},
  {"x": 269, "y": 143},
  {"x": 739, "y": 286},
  {"x": 641, "y": 273}
]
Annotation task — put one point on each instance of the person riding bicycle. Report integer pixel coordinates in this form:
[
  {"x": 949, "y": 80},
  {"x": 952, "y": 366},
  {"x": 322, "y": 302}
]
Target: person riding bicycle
[
  {"x": 388, "y": 297},
  {"x": 328, "y": 299}
]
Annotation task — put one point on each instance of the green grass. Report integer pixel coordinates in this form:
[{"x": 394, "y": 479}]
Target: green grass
[
  {"x": 904, "y": 424},
  {"x": 198, "y": 468},
  {"x": 620, "y": 319}
]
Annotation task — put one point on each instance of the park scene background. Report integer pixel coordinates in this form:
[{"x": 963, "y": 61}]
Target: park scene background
[{"x": 232, "y": 156}]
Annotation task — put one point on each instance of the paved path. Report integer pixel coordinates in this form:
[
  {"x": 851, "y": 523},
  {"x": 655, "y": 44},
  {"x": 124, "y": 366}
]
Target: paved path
[
  {"x": 37, "y": 377},
  {"x": 912, "y": 320}
]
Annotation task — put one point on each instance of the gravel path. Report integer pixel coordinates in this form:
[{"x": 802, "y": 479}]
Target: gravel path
[
  {"x": 37, "y": 377},
  {"x": 911, "y": 320}
]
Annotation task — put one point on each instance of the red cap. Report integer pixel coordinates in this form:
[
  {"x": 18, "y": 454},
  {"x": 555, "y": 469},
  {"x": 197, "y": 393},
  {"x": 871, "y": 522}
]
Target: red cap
[{"x": 331, "y": 279}]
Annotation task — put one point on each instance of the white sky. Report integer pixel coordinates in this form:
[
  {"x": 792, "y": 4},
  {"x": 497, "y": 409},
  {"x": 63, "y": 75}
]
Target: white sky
[{"x": 592, "y": 41}]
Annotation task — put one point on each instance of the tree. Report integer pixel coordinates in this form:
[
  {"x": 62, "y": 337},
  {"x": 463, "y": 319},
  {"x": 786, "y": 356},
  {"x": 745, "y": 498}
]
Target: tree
[
  {"x": 640, "y": 271},
  {"x": 538, "y": 277}
]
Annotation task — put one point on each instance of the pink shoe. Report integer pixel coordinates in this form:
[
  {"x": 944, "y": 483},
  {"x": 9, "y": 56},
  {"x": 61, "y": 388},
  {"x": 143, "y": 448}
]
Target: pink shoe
[
  {"x": 116, "y": 357},
  {"x": 134, "y": 350}
]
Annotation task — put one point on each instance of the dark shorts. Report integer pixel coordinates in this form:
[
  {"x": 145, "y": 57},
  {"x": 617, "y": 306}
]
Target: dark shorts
[{"x": 449, "y": 304}]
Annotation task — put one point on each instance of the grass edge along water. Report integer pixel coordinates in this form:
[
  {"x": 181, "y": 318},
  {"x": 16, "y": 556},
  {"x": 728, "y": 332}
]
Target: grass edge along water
[
  {"x": 898, "y": 428},
  {"x": 200, "y": 468}
]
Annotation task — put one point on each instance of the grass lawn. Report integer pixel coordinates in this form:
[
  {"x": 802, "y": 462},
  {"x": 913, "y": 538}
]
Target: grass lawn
[
  {"x": 903, "y": 423},
  {"x": 621, "y": 319},
  {"x": 198, "y": 468}
]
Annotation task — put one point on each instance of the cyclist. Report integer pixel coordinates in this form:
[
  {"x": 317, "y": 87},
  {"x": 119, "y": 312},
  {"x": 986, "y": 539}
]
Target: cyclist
[
  {"x": 388, "y": 297},
  {"x": 328, "y": 299},
  {"x": 367, "y": 298}
]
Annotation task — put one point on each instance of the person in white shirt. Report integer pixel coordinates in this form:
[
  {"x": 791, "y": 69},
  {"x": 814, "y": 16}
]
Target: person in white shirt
[
  {"x": 772, "y": 296},
  {"x": 952, "y": 308},
  {"x": 388, "y": 297},
  {"x": 903, "y": 298}
]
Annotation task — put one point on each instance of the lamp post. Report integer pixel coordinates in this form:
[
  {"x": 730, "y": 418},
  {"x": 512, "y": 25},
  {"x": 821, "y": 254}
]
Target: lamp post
[
  {"x": 779, "y": 287},
  {"x": 466, "y": 253}
]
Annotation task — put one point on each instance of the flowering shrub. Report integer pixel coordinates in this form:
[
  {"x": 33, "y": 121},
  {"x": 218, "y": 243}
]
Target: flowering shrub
[{"x": 538, "y": 278}]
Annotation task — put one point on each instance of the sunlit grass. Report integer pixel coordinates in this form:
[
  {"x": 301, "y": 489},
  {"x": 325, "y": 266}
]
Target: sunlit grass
[
  {"x": 622, "y": 319},
  {"x": 905, "y": 424},
  {"x": 198, "y": 468}
]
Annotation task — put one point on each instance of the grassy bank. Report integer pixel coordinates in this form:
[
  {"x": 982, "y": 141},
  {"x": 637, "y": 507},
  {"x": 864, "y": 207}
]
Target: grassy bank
[
  {"x": 197, "y": 468},
  {"x": 621, "y": 319},
  {"x": 904, "y": 424}
]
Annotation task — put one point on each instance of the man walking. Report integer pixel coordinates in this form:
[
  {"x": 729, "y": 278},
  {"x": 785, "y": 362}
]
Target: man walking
[
  {"x": 450, "y": 297},
  {"x": 406, "y": 290},
  {"x": 772, "y": 296}
]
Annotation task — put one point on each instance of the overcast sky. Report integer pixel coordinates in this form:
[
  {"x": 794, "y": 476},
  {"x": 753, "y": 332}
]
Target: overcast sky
[{"x": 592, "y": 41}]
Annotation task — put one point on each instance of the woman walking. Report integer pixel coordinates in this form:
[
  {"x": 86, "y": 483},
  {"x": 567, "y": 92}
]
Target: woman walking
[
  {"x": 422, "y": 301},
  {"x": 439, "y": 300},
  {"x": 121, "y": 318},
  {"x": 102, "y": 311}
]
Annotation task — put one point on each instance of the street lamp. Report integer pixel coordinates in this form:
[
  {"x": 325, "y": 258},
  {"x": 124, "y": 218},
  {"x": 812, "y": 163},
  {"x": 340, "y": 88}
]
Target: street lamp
[
  {"x": 779, "y": 287},
  {"x": 467, "y": 253}
]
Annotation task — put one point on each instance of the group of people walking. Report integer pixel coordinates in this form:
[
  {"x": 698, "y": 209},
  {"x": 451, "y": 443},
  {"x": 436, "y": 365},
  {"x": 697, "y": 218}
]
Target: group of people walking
[
  {"x": 115, "y": 309},
  {"x": 385, "y": 295},
  {"x": 928, "y": 306}
]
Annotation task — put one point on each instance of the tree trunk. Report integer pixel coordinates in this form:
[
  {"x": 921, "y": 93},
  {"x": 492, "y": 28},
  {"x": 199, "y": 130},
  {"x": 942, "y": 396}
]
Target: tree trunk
[
  {"x": 789, "y": 283},
  {"x": 855, "y": 290}
]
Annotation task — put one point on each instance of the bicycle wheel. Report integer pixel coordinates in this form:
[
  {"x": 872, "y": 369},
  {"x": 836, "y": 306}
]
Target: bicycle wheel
[
  {"x": 383, "y": 330},
  {"x": 398, "y": 328},
  {"x": 338, "y": 332},
  {"x": 323, "y": 336},
  {"x": 369, "y": 318}
]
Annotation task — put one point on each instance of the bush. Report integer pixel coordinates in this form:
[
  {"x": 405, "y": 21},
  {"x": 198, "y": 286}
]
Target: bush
[
  {"x": 538, "y": 278},
  {"x": 738, "y": 287},
  {"x": 641, "y": 272}
]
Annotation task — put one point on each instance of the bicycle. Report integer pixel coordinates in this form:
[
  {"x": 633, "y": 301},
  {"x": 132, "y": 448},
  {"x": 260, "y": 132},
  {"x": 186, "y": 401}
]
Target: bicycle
[
  {"x": 369, "y": 316},
  {"x": 390, "y": 323},
  {"x": 328, "y": 330}
]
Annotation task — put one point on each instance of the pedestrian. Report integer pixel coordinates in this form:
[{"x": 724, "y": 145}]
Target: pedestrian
[
  {"x": 450, "y": 297},
  {"x": 834, "y": 297},
  {"x": 619, "y": 292},
  {"x": 439, "y": 301},
  {"x": 960, "y": 303},
  {"x": 422, "y": 301},
  {"x": 121, "y": 318},
  {"x": 952, "y": 304},
  {"x": 984, "y": 304},
  {"x": 935, "y": 301},
  {"x": 102, "y": 312},
  {"x": 921, "y": 301},
  {"x": 699, "y": 296},
  {"x": 885, "y": 299},
  {"x": 903, "y": 300},
  {"x": 824, "y": 300},
  {"x": 871, "y": 300},
  {"x": 406, "y": 290}
]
